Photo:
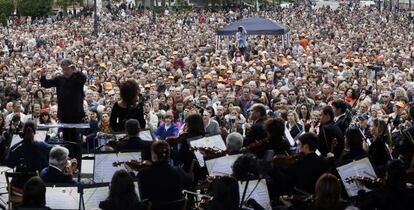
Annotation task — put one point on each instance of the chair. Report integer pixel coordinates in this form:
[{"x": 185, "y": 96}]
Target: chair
[
  {"x": 15, "y": 193},
  {"x": 180, "y": 204}
]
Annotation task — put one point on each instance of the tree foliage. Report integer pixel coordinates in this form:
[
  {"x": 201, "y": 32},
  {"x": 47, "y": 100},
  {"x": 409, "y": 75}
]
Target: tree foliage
[
  {"x": 35, "y": 8},
  {"x": 6, "y": 7}
]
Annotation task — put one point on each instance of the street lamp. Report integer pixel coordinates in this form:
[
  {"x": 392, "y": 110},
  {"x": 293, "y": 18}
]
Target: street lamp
[{"x": 95, "y": 19}]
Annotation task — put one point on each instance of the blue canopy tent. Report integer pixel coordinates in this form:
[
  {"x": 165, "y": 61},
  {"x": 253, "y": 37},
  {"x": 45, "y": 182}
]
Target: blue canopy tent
[{"x": 255, "y": 26}]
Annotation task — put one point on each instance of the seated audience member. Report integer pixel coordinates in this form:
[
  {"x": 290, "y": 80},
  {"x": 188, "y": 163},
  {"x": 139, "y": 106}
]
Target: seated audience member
[
  {"x": 34, "y": 195},
  {"x": 60, "y": 169},
  {"x": 234, "y": 142},
  {"x": 161, "y": 183},
  {"x": 29, "y": 155},
  {"x": 122, "y": 194},
  {"x": 225, "y": 193},
  {"x": 168, "y": 129},
  {"x": 132, "y": 142},
  {"x": 305, "y": 172}
]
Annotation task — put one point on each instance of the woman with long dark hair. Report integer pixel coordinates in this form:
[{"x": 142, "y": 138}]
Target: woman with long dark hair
[
  {"x": 122, "y": 194},
  {"x": 128, "y": 107},
  {"x": 28, "y": 155},
  {"x": 34, "y": 195}
]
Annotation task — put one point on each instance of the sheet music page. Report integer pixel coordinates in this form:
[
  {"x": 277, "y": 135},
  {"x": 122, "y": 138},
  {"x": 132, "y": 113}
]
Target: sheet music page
[
  {"x": 15, "y": 140},
  {"x": 214, "y": 142},
  {"x": 87, "y": 167},
  {"x": 62, "y": 197},
  {"x": 145, "y": 135},
  {"x": 221, "y": 166},
  {"x": 103, "y": 167},
  {"x": 3, "y": 183},
  {"x": 258, "y": 191},
  {"x": 120, "y": 136},
  {"x": 93, "y": 196},
  {"x": 40, "y": 135},
  {"x": 361, "y": 167}
]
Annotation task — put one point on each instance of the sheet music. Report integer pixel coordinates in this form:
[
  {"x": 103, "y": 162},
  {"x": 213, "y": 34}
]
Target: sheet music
[
  {"x": 120, "y": 136},
  {"x": 15, "y": 140},
  {"x": 103, "y": 168},
  {"x": 146, "y": 135},
  {"x": 93, "y": 196},
  {"x": 215, "y": 142},
  {"x": 87, "y": 166},
  {"x": 258, "y": 191},
  {"x": 360, "y": 167},
  {"x": 40, "y": 135},
  {"x": 62, "y": 197},
  {"x": 221, "y": 166}
]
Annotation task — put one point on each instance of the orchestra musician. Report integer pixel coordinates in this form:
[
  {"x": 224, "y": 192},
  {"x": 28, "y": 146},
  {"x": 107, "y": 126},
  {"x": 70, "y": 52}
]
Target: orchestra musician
[
  {"x": 122, "y": 194},
  {"x": 328, "y": 131},
  {"x": 378, "y": 150},
  {"x": 234, "y": 143},
  {"x": 60, "y": 169},
  {"x": 160, "y": 182},
  {"x": 132, "y": 142},
  {"x": 129, "y": 107},
  {"x": 292, "y": 124},
  {"x": 225, "y": 196},
  {"x": 257, "y": 116},
  {"x": 354, "y": 149},
  {"x": 29, "y": 155},
  {"x": 304, "y": 173}
]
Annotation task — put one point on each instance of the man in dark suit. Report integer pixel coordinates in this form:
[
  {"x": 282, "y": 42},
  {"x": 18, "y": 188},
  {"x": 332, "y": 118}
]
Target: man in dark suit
[
  {"x": 60, "y": 170},
  {"x": 161, "y": 183},
  {"x": 306, "y": 171},
  {"x": 70, "y": 95},
  {"x": 330, "y": 139},
  {"x": 257, "y": 132},
  {"x": 132, "y": 142},
  {"x": 342, "y": 120}
]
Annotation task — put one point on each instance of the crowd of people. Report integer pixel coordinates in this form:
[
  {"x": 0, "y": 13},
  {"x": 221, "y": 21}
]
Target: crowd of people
[{"x": 340, "y": 92}]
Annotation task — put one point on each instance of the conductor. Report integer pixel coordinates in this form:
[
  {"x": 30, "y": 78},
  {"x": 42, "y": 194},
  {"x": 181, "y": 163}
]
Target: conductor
[{"x": 70, "y": 95}]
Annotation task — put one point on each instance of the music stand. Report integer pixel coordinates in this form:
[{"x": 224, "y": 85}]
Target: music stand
[{"x": 81, "y": 191}]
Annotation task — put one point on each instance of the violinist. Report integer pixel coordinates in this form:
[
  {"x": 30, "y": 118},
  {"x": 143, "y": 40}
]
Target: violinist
[
  {"x": 29, "y": 155},
  {"x": 256, "y": 132},
  {"x": 378, "y": 149},
  {"x": 274, "y": 140},
  {"x": 327, "y": 196},
  {"x": 160, "y": 182},
  {"x": 328, "y": 131},
  {"x": 393, "y": 195},
  {"x": 194, "y": 128},
  {"x": 304, "y": 173},
  {"x": 404, "y": 146},
  {"x": 132, "y": 142},
  {"x": 354, "y": 149},
  {"x": 234, "y": 142},
  {"x": 225, "y": 193},
  {"x": 60, "y": 169}
]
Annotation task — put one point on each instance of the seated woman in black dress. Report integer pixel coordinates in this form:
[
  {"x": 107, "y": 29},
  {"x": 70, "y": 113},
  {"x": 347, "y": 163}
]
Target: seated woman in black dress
[
  {"x": 225, "y": 193},
  {"x": 161, "y": 183},
  {"x": 122, "y": 194},
  {"x": 34, "y": 195},
  {"x": 29, "y": 155},
  {"x": 128, "y": 107}
]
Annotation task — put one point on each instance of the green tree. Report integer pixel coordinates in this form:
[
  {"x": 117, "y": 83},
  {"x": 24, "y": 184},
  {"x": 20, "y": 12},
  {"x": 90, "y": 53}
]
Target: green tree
[
  {"x": 6, "y": 7},
  {"x": 34, "y": 8},
  {"x": 3, "y": 19}
]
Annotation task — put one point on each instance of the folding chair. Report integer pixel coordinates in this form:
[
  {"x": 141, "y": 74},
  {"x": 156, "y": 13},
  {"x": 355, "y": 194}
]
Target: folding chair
[{"x": 15, "y": 193}]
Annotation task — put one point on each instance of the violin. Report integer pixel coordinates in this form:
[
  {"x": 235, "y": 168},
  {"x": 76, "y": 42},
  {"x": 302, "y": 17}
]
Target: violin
[
  {"x": 176, "y": 140},
  {"x": 257, "y": 144},
  {"x": 207, "y": 151},
  {"x": 368, "y": 182},
  {"x": 205, "y": 183},
  {"x": 286, "y": 160},
  {"x": 135, "y": 165},
  {"x": 297, "y": 200}
]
